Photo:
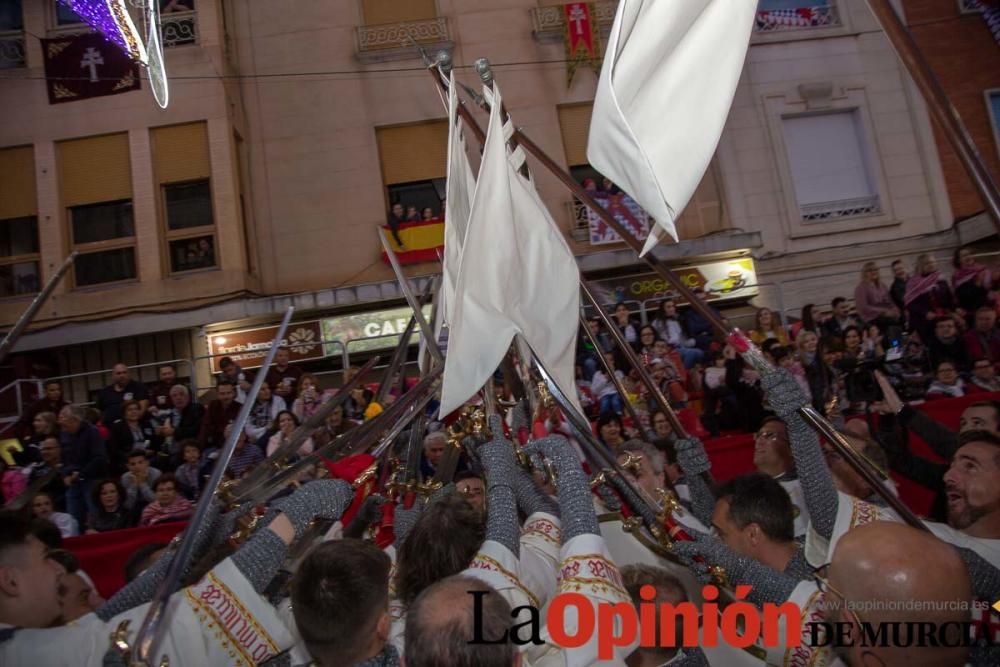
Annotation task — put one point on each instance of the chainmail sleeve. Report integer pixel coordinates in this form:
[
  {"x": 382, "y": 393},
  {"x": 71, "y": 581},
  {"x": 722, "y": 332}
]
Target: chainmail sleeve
[
  {"x": 985, "y": 578},
  {"x": 530, "y": 498},
  {"x": 693, "y": 460},
  {"x": 259, "y": 559},
  {"x": 497, "y": 456},
  {"x": 575, "y": 504}
]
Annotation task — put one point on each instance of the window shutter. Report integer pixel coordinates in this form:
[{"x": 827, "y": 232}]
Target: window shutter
[
  {"x": 574, "y": 121},
  {"x": 180, "y": 153},
  {"x": 413, "y": 152},
  {"x": 396, "y": 11},
  {"x": 17, "y": 183},
  {"x": 95, "y": 169}
]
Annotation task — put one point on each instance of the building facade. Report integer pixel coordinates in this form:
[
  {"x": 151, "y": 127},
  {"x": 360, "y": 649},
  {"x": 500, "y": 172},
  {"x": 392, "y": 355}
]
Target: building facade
[{"x": 293, "y": 127}]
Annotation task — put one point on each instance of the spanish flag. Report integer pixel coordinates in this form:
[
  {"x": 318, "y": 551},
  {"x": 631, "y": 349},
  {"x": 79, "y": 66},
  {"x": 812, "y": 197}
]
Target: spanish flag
[{"x": 422, "y": 241}]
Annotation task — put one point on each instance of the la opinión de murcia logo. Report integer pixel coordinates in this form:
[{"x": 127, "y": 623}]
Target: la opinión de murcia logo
[{"x": 571, "y": 621}]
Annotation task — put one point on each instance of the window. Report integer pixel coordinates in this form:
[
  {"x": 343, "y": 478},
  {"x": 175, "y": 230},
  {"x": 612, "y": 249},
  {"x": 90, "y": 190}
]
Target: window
[
  {"x": 64, "y": 15},
  {"x": 104, "y": 234},
  {"x": 183, "y": 168},
  {"x": 393, "y": 11},
  {"x": 414, "y": 163},
  {"x": 993, "y": 107},
  {"x": 830, "y": 166},
  {"x": 19, "y": 256},
  {"x": 11, "y": 35}
]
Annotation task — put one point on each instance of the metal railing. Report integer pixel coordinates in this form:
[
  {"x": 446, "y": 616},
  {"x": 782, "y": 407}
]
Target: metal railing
[
  {"x": 179, "y": 28},
  {"x": 800, "y": 18},
  {"x": 11, "y": 49},
  {"x": 385, "y": 36},
  {"x": 845, "y": 208}
]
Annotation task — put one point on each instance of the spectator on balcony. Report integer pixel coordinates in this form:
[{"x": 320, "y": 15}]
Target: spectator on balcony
[
  {"x": 602, "y": 387},
  {"x": 767, "y": 326},
  {"x": 947, "y": 382},
  {"x": 872, "y": 299},
  {"x": 43, "y": 508},
  {"x": 927, "y": 297},
  {"x": 626, "y": 323},
  {"x": 971, "y": 282},
  {"x": 182, "y": 422},
  {"x": 168, "y": 505},
  {"x": 283, "y": 377},
  {"x": 159, "y": 397},
  {"x": 983, "y": 339},
  {"x": 310, "y": 397},
  {"x": 138, "y": 481},
  {"x": 672, "y": 329},
  {"x": 698, "y": 326},
  {"x": 219, "y": 415},
  {"x": 428, "y": 214},
  {"x": 609, "y": 188},
  {"x": 283, "y": 427},
  {"x": 230, "y": 370},
  {"x": 983, "y": 378},
  {"x": 395, "y": 219},
  {"x": 263, "y": 414},
  {"x": 412, "y": 214},
  {"x": 134, "y": 431},
  {"x": 84, "y": 457},
  {"x": 122, "y": 388},
  {"x": 111, "y": 513},
  {"x": 840, "y": 319},
  {"x": 52, "y": 402},
  {"x": 947, "y": 344}
]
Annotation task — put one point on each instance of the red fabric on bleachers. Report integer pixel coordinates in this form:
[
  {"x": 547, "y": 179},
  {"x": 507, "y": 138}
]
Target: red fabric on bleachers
[{"x": 103, "y": 555}]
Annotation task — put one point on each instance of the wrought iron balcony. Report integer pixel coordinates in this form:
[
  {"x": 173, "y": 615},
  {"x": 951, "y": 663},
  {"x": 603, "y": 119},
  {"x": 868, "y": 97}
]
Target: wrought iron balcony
[
  {"x": 549, "y": 22},
  {"x": 845, "y": 208},
  {"x": 799, "y": 18},
  {"x": 11, "y": 49},
  {"x": 179, "y": 28},
  {"x": 392, "y": 41}
]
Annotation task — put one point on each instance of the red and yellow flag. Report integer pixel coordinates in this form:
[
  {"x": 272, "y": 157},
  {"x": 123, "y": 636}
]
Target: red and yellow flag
[{"x": 422, "y": 241}]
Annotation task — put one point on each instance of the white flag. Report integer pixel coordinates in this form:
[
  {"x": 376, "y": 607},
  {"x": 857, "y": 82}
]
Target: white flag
[
  {"x": 669, "y": 76},
  {"x": 458, "y": 202},
  {"x": 517, "y": 276}
]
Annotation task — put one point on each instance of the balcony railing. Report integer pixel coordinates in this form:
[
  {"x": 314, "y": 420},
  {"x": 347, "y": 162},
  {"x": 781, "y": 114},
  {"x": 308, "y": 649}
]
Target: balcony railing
[
  {"x": 179, "y": 28},
  {"x": 844, "y": 208},
  {"x": 549, "y": 22},
  {"x": 11, "y": 49},
  {"x": 392, "y": 41},
  {"x": 800, "y": 18}
]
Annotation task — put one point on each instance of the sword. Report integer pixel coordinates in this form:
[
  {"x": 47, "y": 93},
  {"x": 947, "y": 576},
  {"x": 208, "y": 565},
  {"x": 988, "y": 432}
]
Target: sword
[{"x": 155, "y": 623}]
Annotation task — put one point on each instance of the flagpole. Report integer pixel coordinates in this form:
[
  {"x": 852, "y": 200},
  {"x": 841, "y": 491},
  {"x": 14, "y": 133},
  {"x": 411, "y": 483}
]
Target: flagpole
[
  {"x": 734, "y": 336},
  {"x": 404, "y": 285},
  {"x": 940, "y": 106}
]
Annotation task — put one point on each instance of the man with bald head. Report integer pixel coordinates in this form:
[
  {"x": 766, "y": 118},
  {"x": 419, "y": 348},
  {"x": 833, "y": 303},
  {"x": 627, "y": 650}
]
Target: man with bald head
[
  {"x": 122, "y": 388},
  {"x": 878, "y": 570}
]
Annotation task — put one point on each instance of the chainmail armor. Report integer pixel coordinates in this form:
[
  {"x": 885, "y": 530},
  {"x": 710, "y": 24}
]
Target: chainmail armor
[
  {"x": 575, "y": 504},
  {"x": 500, "y": 465}
]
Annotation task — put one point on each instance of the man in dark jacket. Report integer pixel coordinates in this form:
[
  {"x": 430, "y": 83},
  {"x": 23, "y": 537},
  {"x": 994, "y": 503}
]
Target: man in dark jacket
[
  {"x": 220, "y": 413},
  {"x": 85, "y": 460},
  {"x": 174, "y": 426}
]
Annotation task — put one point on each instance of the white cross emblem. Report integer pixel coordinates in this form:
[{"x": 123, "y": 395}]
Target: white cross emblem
[
  {"x": 92, "y": 58},
  {"x": 577, "y": 17}
]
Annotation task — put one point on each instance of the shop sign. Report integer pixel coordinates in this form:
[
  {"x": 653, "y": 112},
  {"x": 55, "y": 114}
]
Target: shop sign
[
  {"x": 724, "y": 281},
  {"x": 363, "y": 332},
  {"x": 248, "y": 347}
]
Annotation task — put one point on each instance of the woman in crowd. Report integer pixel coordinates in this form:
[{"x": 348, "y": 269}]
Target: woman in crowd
[
  {"x": 610, "y": 431},
  {"x": 947, "y": 383},
  {"x": 972, "y": 283},
  {"x": 807, "y": 322},
  {"x": 661, "y": 424},
  {"x": 284, "y": 426},
  {"x": 872, "y": 299},
  {"x": 927, "y": 297},
  {"x": 766, "y": 326},
  {"x": 428, "y": 213},
  {"x": 310, "y": 397},
  {"x": 358, "y": 402},
  {"x": 42, "y": 507},
  {"x": 603, "y": 387},
  {"x": 873, "y": 345},
  {"x": 626, "y": 323},
  {"x": 12, "y": 482},
  {"x": 819, "y": 375},
  {"x": 111, "y": 514},
  {"x": 853, "y": 349},
  {"x": 168, "y": 504},
  {"x": 43, "y": 425},
  {"x": 262, "y": 415},
  {"x": 133, "y": 431}
]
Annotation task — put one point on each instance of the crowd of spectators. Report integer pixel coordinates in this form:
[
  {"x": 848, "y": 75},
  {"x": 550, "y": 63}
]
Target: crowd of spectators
[
  {"x": 932, "y": 338},
  {"x": 140, "y": 455}
]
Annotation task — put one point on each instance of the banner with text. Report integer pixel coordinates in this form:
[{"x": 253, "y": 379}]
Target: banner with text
[{"x": 724, "y": 281}]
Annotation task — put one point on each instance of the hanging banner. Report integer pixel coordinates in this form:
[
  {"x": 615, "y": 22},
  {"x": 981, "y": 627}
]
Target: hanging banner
[
  {"x": 582, "y": 40},
  {"x": 78, "y": 67},
  {"x": 364, "y": 332},
  {"x": 626, "y": 211},
  {"x": 248, "y": 347},
  {"x": 726, "y": 280}
]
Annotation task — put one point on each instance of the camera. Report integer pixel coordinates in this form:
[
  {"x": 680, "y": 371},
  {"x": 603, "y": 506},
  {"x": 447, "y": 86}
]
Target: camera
[{"x": 861, "y": 385}]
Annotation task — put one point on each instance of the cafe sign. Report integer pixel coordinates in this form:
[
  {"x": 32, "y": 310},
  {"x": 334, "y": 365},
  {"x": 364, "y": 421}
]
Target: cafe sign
[
  {"x": 724, "y": 281},
  {"x": 363, "y": 332},
  {"x": 248, "y": 347}
]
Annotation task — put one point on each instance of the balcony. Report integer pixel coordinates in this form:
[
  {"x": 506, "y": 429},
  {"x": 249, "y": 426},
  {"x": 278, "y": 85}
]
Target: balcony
[
  {"x": 11, "y": 49},
  {"x": 394, "y": 41},
  {"x": 549, "y": 23},
  {"x": 845, "y": 208},
  {"x": 179, "y": 28},
  {"x": 769, "y": 21}
]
